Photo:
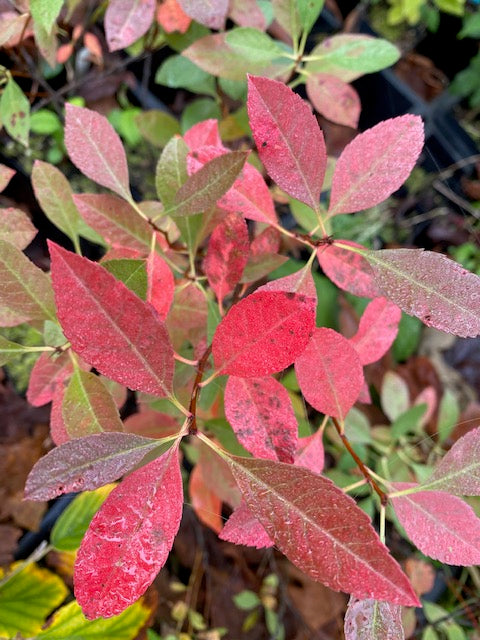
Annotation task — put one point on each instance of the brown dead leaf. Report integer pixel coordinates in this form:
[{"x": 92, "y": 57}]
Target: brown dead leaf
[{"x": 9, "y": 536}]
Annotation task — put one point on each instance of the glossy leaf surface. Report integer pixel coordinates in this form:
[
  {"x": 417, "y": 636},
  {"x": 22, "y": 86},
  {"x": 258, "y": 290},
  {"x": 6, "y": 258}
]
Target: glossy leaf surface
[
  {"x": 96, "y": 149},
  {"x": 227, "y": 255},
  {"x": 431, "y": 287},
  {"x": 375, "y": 164},
  {"x": 264, "y": 333},
  {"x": 288, "y": 139},
  {"x": 334, "y": 99},
  {"x": 373, "y": 620},
  {"x": 458, "y": 471},
  {"x": 129, "y": 539},
  {"x": 126, "y": 21},
  {"x": 261, "y": 414},
  {"x": 442, "y": 526},
  {"x": 321, "y": 530},
  {"x": 377, "y": 330},
  {"x": 330, "y": 373},
  {"x": 348, "y": 270},
  {"x": 86, "y": 463},
  {"x": 112, "y": 329}
]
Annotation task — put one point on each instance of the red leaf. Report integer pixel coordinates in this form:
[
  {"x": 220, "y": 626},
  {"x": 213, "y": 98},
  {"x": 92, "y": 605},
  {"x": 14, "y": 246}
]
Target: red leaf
[
  {"x": 321, "y": 530},
  {"x": 126, "y": 21},
  {"x": 375, "y": 164},
  {"x": 211, "y": 13},
  {"x": 115, "y": 220},
  {"x": 301, "y": 282},
  {"x": 442, "y": 526},
  {"x": 58, "y": 431},
  {"x": 310, "y": 453},
  {"x": 377, "y": 330},
  {"x": 249, "y": 194},
  {"x": 243, "y": 528},
  {"x": 48, "y": 372},
  {"x": 334, "y": 99},
  {"x": 109, "y": 326},
  {"x": 203, "y": 134},
  {"x": 264, "y": 333},
  {"x": 459, "y": 470},
  {"x": 151, "y": 424},
  {"x": 227, "y": 255},
  {"x": 329, "y": 373},
  {"x": 86, "y": 463},
  {"x": 160, "y": 284},
  {"x": 171, "y": 17},
  {"x": 96, "y": 149},
  {"x": 430, "y": 286},
  {"x": 129, "y": 538},
  {"x": 348, "y": 270},
  {"x": 261, "y": 414},
  {"x": 206, "y": 503},
  {"x": 288, "y": 139},
  {"x": 187, "y": 318},
  {"x": 247, "y": 13},
  {"x": 373, "y": 620},
  {"x": 268, "y": 241},
  {"x": 16, "y": 228}
]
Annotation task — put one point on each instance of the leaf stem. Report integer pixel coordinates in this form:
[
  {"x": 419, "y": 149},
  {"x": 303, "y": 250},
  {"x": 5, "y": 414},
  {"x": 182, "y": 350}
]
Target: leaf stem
[
  {"x": 192, "y": 426},
  {"x": 179, "y": 405},
  {"x": 354, "y": 485},
  {"x": 365, "y": 471},
  {"x": 180, "y": 358},
  {"x": 36, "y": 555},
  {"x": 382, "y": 523}
]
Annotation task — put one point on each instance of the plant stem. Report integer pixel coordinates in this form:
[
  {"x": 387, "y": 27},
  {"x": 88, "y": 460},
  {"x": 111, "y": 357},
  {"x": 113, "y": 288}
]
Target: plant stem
[
  {"x": 192, "y": 427},
  {"x": 365, "y": 472},
  {"x": 382, "y": 523},
  {"x": 36, "y": 555}
]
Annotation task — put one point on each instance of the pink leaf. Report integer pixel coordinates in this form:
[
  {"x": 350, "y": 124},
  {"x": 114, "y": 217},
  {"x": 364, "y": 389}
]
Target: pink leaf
[
  {"x": 430, "y": 286},
  {"x": 6, "y": 174},
  {"x": 115, "y": 220},
  {"x": 268, "y": 241},
  {"x": 129, "y": 538},
  {"x": 442, "y": 526},
  {"x": 249, "y": 195},
  {"x": 16, "y": 228},
  {"x": 160, "y": 284},
  {"x": 187, "y": 318},
  {"x": 373, "y": 620},
  {"x": 288, "y": 139},
  {"x": 86, "y": 463},
  {"x": 227, "y": 255},
  {"x": 310, "y": 453},
  {"x": 261, "y": 414},
  {"x": 171, "y": 17},
  {"x": 375, "y": 164},
  {"x": 243, "y": 528},
  {"x": 203, "y": 134},
  {"x": 211, "y": 13},
  {"x": 334, "y": 99},
  {"x": 348, "y": 270},
  {"x": 429, "y": 397},
  {"x": 301, "y": 282},
  {"x": 126, "y": 21},
  {"x": 247, "y": 13},
  {"x": 330, "y": 373},
  {"x": 377, "y": 330},
  {"x": 458, "y": 471},
  {"x": 264, "y": 333},
  {"x": 58, "y": 431},
  {"x": 48, "y": 372},
  {"x": 95, "y": 148},
  {"x": 205, "y": 502},
  {"x": 151, "y": 424},
  {"x": 109, "y": 326},
  {"x": 321, "y": 530}
]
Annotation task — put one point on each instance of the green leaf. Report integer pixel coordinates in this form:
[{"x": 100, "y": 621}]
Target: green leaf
[
  {"x": 448, "y": 415},
  {"x": 45, "y": 122},
  {"x": 246, "y": 600},
  {"x": 54, "y": 195},
  {"x": 171, "y": 172},
  {"x": 27, "y": 599},
  {"x": 88, "y": 406},
  {"x": 15, "y": 112},
  {"x": 471, "y": 26},
  {"x": 198, "y": 110},
  {"x": 157, "y": 127},
  {"x": 454, "y": 7},
  {"x": 357, "y": 427},
  {"x": 69, "y": 529},
  {"x": 350, "y": 56},
  {"x": 394, "y": 395},
  {"x": 26, "y": 292},
  {"x": 180, "y": 41},
  {"x": 69, "y": 622},
  {"x": 9, "y": 349},
  {"x": 132, "y": 273},
  {"x": 409, "y": 422},
  {"x": 203, "y": 188},
  {"x": 408, "y": 337},
  {"x": 179, "y": 72},
  {"x": 45, "y": 12}
]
